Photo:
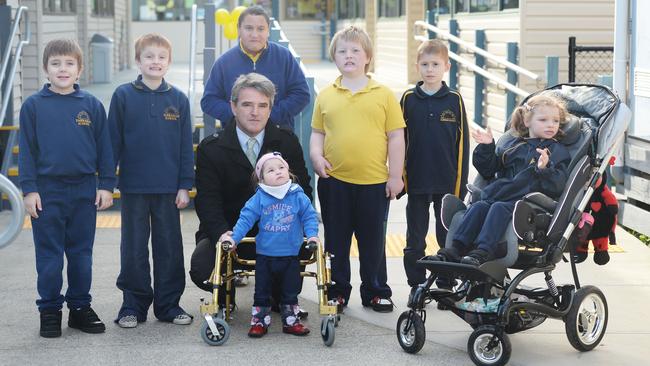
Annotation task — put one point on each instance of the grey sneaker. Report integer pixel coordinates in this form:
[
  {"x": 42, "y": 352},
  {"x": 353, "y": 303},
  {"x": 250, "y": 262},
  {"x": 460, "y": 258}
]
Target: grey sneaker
[
  {"x": 128, "y": 321},
  {"x": 182, "y": 319}
]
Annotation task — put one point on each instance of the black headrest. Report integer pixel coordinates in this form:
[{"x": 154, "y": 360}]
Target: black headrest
[{"x": 572, "y": 130}]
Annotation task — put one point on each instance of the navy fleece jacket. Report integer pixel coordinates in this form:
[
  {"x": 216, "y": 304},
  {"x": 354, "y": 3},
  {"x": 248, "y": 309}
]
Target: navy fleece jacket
[
  {"x": 64, "y": 136},
  {"x": 152, "y": 138}
]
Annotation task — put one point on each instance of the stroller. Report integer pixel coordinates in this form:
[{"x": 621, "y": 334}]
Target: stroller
[
  {"x": 215, "y": 329},
  {"x": 542, "y": 230}
]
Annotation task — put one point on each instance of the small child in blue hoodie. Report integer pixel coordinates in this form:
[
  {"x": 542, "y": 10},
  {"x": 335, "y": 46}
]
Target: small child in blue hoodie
[{"x": 285, "y": 216}]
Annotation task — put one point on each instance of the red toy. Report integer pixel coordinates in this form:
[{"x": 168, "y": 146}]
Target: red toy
[{"x": 604, "y": 209}]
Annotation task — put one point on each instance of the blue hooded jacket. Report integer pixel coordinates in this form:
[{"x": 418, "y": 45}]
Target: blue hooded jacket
[{"x": 283, "y": 223}]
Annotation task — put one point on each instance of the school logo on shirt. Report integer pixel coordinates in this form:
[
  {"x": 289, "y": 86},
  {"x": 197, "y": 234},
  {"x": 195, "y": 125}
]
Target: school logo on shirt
[
  {"x": 83, "y": 119},
  {"x": 448, "y": 116},
  {"x": 171, "y": 114}
]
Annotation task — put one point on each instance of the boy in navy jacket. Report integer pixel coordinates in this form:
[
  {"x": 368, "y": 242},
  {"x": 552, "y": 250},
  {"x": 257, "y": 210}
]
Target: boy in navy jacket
[
  {"x": 437, "y": 152},
  {"x": 64, "y": 143},
  {"x": 152, "y": 141}
]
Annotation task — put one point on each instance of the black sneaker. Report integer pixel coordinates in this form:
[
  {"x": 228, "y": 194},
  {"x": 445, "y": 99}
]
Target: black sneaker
[
  {"x": 477, "y": 257},
  {"x": 382, "y": 305},
  {"x": 50, "y": 323},
  {"x": 86, "y": 320}
]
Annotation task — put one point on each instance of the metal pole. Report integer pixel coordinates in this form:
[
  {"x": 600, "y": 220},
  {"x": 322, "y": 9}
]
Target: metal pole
[
  {"x": 511, "y": 98},
  {"x": 208, "y": 60},
  {"x": 572, "y": 59},
  {"x": 453, "y": 47},
  {"x": 431, "y": 19},
  {"x": 479, "y": 83},
  {"x": 552, "y": 70}
]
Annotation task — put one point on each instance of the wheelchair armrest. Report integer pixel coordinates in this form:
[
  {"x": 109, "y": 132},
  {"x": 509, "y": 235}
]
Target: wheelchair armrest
[{"x": 541, "y": 200}]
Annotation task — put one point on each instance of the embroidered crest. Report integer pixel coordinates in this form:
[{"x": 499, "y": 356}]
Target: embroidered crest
[
  {"x": 171, "y": 114},
  {"x": 448, "y": 116},
  {"x": 83, "y": 119}
]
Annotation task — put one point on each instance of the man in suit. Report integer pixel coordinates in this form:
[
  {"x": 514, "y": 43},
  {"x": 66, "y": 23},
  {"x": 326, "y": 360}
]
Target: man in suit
[{"x": 224, "y": 166}]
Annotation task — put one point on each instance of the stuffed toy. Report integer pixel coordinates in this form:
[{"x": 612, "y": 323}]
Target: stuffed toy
[{"x": 603, "y": 210}]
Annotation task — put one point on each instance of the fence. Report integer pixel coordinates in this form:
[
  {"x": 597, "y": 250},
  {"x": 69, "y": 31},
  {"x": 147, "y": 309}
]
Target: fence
[{"x": 587, "y": 63}]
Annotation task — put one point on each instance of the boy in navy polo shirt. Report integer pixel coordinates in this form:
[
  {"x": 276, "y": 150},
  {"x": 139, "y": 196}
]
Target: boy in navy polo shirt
[
  {"x": 437, "y": 153},
  {"x": 64, "y": 142},
  {"x": 152, "y": 141}
]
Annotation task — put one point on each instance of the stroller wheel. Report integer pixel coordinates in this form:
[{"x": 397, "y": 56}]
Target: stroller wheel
[
  {"x": 489, "y": 346},
  {"x": 586, "y": 321},
  {"x": 215, "y": 339},
  {"x": 327, "y": 330},
  {"x": 410, "y": 331}
]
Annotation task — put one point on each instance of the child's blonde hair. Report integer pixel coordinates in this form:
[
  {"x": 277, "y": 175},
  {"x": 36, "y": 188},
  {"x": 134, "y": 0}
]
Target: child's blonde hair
[
  {"x": 433, "y": 47},
  {"x": 63, "y": 47},
  {"x": 152, "y": 39},
  {"x": 353, "y": 33},
  {"x": 525, "y": 112}
]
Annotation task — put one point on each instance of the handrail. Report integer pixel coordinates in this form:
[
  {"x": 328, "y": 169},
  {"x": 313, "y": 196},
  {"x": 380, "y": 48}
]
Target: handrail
[
  {"x": 191, "y": 89},
  {"x": 500, "y": 60},
  {"x": 482, "y": 72},
  {"x": 23, "y": 10},
  {"x": 17, "y": 211},
  {"x": 284, "y": 37}
]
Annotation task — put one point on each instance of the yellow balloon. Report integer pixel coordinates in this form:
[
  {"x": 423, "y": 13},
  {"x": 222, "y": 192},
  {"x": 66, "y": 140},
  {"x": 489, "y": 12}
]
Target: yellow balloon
[
  {"x": 234, "y": 16},
  {"x": 230, "y": 31},
  {"x": 222, "y": 16}
]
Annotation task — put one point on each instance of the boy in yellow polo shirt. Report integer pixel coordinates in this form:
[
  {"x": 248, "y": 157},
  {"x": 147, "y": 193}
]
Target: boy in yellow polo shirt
[{"x": 357, "y": 126}]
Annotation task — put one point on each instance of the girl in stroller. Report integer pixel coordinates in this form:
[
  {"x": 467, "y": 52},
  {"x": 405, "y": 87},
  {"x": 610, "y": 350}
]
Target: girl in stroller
[{"x": 535, "y": 161}]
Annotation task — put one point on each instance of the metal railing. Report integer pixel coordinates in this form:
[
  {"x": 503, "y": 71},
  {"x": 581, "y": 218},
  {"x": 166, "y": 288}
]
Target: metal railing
[
  {"x": 191, "y": 89},
  {"x": 21, "y": 13},
  {"x": 17, "y": 211},
  {"x": 470, "y": 47}
]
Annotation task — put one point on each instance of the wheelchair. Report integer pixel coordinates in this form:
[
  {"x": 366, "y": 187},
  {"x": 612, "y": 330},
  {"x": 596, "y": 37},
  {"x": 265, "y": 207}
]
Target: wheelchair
[
  {"x": 215, "y": 330},
  {"x": 542, "y": 230}
]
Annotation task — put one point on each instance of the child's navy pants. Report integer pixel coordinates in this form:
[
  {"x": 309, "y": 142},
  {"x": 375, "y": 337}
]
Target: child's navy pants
[
  {"x": 417, "y": 226},
  {"x": 65, "y": 226},
  {"x": 361, "y": 210},
  {"x": 484, "y": 224},
  {"x": 283, "y": 271},
  {"x": 142, "y": 215}
]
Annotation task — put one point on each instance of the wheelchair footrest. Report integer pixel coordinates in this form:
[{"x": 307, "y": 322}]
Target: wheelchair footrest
[{"x": 456, "y": 270}]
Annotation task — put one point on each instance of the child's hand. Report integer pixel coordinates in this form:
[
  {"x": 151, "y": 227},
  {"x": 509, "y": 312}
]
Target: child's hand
[
  {"x": 227, "y": 237},
  {"x": 482, "y": 136},
  {"x": 33, "y": 204},
  {"x": 544, "y": 156},
  {"x": 393, "y": 187},
  {"x": 313, "y": 239},
  {"x": 321, "y": 166},
  {"x": 103, "y": 199},
  {"x": 182, "y": 198}
]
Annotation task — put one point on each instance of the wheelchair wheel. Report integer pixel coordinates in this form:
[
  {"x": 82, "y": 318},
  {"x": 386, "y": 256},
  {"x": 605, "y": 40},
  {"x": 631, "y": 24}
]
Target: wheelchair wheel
[
  {"x": 586, "y": 321},
  {"x": 410, "y": 331},
  {"x": 215, "y": 339},
  {"x": 327, "y": 331},
  {"x": 488, "y": 346}
]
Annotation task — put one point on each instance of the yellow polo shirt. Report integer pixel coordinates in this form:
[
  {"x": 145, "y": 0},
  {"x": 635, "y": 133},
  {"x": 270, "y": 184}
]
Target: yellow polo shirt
[{"x": 356, "y": 127}]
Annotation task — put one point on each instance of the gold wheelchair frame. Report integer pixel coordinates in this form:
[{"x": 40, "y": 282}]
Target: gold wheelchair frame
[{"x": 215, "y": 329}]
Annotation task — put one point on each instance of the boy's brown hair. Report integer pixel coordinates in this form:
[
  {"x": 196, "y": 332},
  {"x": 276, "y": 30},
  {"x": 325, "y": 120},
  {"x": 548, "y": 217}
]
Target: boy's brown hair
[
  {"x": 353, "y": 33},
  {"x": 433, "y": 47},
  {"x": 63, "y": 47},
  {"x": 150, "y": 39},
  {"x": 525, "y": 112}
]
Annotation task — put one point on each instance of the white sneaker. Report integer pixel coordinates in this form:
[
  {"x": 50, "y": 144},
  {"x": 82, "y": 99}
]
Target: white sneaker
[
  {"x": 182, "y": 319},
  {"x": 128, "y": 321}
]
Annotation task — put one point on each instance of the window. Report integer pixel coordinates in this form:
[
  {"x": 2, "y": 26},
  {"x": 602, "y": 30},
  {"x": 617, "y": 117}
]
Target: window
[
  {"x": 59, "y": 7},
  {"x": 306, "y": 9},
  {"x": 163, "y": 9},
  {"x": 103, "y": 8},
  {"x": 391, "y": 8},
  {"x": 442, "y": 6},
  {"x": 476, "y": 6},
  {"x": 509, "y": 4},
  {"x": 472, "y": 6},
  {"x": 351, "y": 9}
]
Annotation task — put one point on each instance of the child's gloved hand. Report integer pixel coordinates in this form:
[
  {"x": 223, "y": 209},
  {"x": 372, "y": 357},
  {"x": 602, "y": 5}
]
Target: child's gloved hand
[
  {"x": 544, "y": 157},
  {"x": 482, "y": 136},
  {"x": 103, "y": 199},
  {"x": 182, "y": 198},
  {"x": 33, "y": 204}
]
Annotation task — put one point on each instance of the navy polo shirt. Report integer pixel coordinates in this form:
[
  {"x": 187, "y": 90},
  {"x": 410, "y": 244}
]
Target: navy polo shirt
[
  {"x": 64, "y": 136},
  {"x": 151, "y": 134}
]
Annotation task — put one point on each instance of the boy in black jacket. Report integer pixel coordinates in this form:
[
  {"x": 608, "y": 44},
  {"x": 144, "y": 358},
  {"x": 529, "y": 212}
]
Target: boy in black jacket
[{"x": 436, "y": 153}]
